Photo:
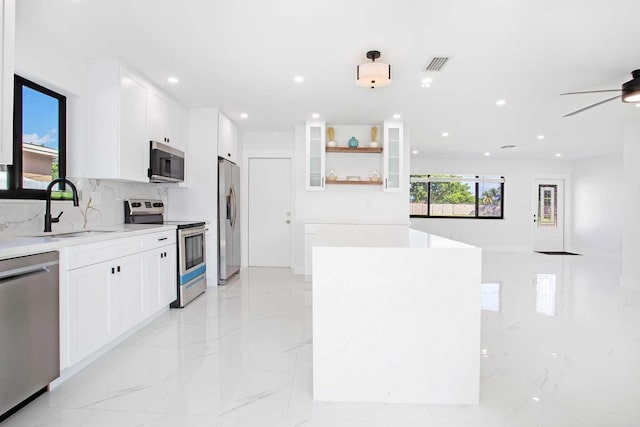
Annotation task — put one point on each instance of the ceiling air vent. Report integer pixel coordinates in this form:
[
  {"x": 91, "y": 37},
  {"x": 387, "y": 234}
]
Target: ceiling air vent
[
  {"x": 507, "y": 147},
  {"x": 437, "y": 63}
]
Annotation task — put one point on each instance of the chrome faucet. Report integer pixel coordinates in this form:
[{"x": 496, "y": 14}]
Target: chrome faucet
[{"x": 47, "y": 214}]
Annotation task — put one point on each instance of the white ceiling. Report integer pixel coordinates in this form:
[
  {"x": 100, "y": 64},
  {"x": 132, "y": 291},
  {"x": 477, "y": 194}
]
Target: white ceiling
[{"x": 242, "y": 55}]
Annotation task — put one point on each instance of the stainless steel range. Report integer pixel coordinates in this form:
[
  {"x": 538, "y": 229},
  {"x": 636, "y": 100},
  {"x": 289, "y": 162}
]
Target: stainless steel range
[{"x": 191, "y": 279}]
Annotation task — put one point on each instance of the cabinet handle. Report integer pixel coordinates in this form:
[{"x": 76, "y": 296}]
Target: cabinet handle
[
  {"x": 162, "y": 238},
  {"x": 229, "y": 154},
  {"x": 322, "y": 186},
  {"x": 161, "y": 255},
  {"x": 165, "y": 254},
  {"x": 113, "y": 270},
  {"x": 385, "y": 183},
  {"x": 118, "y": 269}
]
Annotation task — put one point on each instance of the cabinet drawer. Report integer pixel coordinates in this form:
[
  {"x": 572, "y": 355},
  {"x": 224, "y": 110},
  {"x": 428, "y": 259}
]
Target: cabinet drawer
[
  {"x": 93, "y": 253},
  {"x": 156, "y": 240}
]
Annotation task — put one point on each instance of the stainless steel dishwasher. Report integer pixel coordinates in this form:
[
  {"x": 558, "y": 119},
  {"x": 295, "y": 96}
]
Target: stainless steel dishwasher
[{"x": 29, "y": 328}]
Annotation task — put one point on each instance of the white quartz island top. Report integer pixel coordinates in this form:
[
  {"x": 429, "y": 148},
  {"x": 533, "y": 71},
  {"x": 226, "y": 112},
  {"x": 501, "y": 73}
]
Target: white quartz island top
[
  {"x": 44, "y": 242},
  {"x": 396, "y": 316}
]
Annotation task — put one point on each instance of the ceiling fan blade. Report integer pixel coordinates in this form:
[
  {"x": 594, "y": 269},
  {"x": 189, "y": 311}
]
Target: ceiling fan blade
[
  {"x": 592, "y": 105},
  {"x": 591, "y": 91}
]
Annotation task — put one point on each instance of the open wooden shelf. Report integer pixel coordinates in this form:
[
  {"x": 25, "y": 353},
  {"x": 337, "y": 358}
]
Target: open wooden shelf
[
  {"x": 361, "y": 182},
  {"x": 353, "y": 150}
]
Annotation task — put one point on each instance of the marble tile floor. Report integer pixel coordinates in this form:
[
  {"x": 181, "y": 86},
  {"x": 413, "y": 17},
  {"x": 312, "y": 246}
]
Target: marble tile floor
[{"x": 560, "y": 347}]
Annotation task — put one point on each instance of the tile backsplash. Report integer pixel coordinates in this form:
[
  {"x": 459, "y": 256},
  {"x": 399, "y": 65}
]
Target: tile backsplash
[{"x": 101, "y": 203}]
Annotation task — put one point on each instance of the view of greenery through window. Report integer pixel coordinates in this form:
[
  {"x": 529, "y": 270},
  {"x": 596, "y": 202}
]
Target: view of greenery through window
[{"x": 456, "y": 196}]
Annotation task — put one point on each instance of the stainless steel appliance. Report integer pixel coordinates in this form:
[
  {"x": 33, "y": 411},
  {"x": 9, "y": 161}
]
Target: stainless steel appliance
[
  {"x": 166, "y": 164},
  {"x": 29, "y": 328},
  {"x": 228, "y": 220},
  {"x": 191, "y": 263}
]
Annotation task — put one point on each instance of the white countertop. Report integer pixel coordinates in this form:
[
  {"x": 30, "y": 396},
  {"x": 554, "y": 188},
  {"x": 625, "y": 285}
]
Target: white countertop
[
  {"x": 27, "y": 245},
  {"x": 364, "y": 235}
]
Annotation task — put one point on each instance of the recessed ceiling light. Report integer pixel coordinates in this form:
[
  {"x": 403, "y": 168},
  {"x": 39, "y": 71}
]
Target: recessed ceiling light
[
  {"x": 540, "y": 136},
  {"x": 445, "y": 134},
  {"x": 501, "y": 102},
  {"x": 558, "y": 154},
  {"x": 487, "y": 154},
  {"x": 414, "y": 152},
  {"x": 426, "y": 81},
  {"x": 315, "y": 115},
  {"x": 243, "y": 115},
  {"x": 298, "y": 79},
  {"x": 536, "y": 399},
  {"x": 172, "y": 80},
  {"x": 396, "y": 116}
]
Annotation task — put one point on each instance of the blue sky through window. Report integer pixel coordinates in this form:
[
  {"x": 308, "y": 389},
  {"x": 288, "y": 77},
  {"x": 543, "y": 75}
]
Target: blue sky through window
[{"x": 39, "y": 118}]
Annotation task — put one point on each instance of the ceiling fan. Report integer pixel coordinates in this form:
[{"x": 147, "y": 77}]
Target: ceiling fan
[{"x": 630, "y": 93}]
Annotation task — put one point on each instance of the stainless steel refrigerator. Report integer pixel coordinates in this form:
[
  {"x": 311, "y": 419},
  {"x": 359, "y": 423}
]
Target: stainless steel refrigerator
[{"x": 228, "y": 220}]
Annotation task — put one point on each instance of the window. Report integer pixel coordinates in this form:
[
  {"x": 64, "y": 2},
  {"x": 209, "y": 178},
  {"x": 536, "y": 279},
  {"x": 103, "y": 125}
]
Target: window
[
  {"x": 39, "y": 141},
  {"x": 456, "y": 196}
]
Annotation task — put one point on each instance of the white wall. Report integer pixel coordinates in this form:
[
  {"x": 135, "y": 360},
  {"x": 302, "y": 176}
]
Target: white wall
[
  {"x": 598, "y": 205},
  {"x": 343, "y": 203},
  {"x": 260, "y": 144},
  {"x": 631, "y": 202},
  {"x": 514, "y": 232}
]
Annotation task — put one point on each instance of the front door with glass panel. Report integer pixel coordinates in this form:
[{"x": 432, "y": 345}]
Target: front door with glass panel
[{"x": 548, "y": 215}]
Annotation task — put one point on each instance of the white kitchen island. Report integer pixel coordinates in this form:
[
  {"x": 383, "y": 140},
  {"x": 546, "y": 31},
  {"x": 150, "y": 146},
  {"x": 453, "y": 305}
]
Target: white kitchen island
[{"x": 396, "y": 316}]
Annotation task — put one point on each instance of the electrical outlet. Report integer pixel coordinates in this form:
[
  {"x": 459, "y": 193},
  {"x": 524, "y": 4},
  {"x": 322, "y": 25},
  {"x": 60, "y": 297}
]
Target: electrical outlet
[{"x": 95, "y": 198}]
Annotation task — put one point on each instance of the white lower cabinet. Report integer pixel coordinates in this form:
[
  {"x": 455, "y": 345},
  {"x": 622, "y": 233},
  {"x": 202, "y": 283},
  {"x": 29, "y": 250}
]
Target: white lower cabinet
[
  {"x": 113, "y": 286},
  {"x": 161, "y": 280},
  {"x": 90, "y": 294}
]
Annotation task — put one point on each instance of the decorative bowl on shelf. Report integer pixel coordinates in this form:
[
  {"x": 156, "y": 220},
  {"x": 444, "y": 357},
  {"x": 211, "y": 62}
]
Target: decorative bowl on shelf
[
  {"x": 331, "y": 175},
  {"x": 374, "y": 176},
  {"x": 353, "y": 178}
]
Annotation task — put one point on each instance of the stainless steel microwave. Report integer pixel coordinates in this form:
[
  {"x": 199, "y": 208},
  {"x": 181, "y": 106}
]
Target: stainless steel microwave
[{"x": 166, "y": 164}]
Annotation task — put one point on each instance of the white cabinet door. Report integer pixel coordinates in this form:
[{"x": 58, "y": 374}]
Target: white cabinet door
[
  {"x": 134, "y": 148},
  {"x": 7, "y": 19},
  {"x": 168, "y": 276},
  {"x": 90, "y": 305},
  {"x": 393, "y": 150},
  {"x": 227, "y": 135},
  {"x": 315, "y": 153},
  {"x": 117, "y": 146},
  {"x": 163, "y": 120},
  {"x": 172, "y": 124},
  {"x": 161, "y": 284},
  {"x": 128, "y": 293},
  {"x": 156, "y": 117}
]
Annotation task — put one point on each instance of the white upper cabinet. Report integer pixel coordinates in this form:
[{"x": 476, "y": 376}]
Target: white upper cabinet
[
  {"x": 315, "y": 149},
  {"x": 164, "y": 118},
  {"x": 125, "y": 112},
  {"x": 227, "y": 139},
  {"x": 117, "y": 146},
  {"x": 393, "y": 149},
  {"x": 7, "y": 19}
]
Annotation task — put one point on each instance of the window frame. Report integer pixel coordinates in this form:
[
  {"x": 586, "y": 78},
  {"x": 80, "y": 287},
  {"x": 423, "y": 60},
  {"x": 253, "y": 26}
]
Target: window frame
[
  {"x": 15, "y": 189},
  {"x": 463, "y": 178}
]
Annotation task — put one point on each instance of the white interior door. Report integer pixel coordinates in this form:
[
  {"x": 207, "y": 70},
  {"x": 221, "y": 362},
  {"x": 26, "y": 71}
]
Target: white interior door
[
  {"x": 269, "y": 212},
  {"x": 548, "y": 215}
]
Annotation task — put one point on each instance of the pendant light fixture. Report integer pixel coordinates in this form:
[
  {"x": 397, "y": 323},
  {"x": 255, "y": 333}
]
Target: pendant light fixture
[{"x": 373, "y": 74}]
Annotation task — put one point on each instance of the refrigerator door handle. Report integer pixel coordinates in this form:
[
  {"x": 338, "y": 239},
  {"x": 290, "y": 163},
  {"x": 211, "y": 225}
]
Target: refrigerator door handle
[{"x": 234, "y": 207}]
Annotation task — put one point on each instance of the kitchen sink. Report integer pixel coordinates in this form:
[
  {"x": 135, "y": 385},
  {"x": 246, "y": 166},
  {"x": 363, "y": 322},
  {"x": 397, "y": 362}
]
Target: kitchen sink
[
  {"x": 80, "y": 233},
  {"x": 71, "y": 234}
]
